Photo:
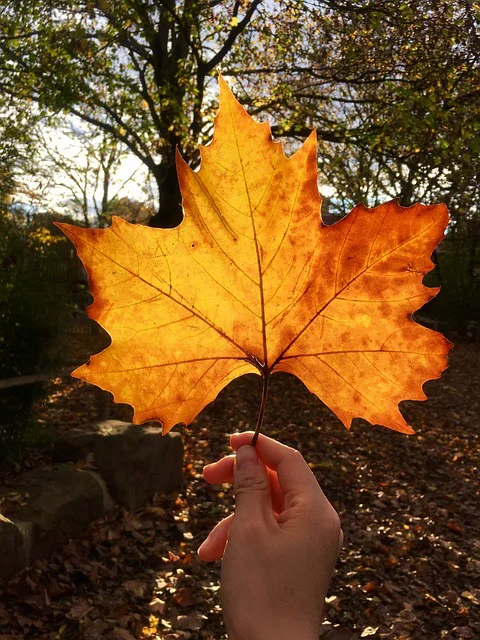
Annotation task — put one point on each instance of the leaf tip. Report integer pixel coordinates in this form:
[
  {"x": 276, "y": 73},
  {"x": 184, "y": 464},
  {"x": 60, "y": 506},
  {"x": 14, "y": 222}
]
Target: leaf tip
[
  {"x": 179, "y": 159},
  {"x": 119, "y": 222},
  {"x": 226, "y": 92}
]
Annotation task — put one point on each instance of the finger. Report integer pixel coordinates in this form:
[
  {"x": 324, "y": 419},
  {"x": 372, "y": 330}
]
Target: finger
[
  {"x": 294, "y": 475},
  {"x": 213, "y": 546},
  {"x": 219, "y": 472},
  {"x": 278, "y": 499},
  {"x": 251, "y": 486}
]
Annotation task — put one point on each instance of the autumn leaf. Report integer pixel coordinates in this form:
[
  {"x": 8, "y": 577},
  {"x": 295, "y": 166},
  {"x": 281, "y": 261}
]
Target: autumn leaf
[{"x": 252, "y": 282}]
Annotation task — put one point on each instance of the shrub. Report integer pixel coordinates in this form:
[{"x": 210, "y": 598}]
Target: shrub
[{"x": 34, "y": 302}]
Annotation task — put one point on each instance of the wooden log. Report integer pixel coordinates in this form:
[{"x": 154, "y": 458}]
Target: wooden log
[{"x": 20, "y": 381}]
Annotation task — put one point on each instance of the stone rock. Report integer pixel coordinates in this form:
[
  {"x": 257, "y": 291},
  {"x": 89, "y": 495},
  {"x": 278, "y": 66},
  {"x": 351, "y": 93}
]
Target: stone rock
[
  {"x": 74, "y": 445},
  {"x": 57, "y": 504},
  {"x": 136, "y": 461},
  {"x": 13, "y": 555},
  {"x": 108, "y": 503}
]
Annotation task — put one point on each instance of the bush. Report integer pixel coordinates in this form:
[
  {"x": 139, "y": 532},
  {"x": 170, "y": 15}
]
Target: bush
[
  {"x": 34, "y": 302},
  {"x": 458, "y": 274}
]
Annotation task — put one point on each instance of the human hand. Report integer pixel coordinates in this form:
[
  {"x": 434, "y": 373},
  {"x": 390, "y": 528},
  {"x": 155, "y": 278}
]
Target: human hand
[{"x": 279, "y": 547}]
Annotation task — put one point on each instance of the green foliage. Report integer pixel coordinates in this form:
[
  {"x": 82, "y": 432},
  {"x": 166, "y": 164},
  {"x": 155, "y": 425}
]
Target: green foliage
[
  {"x": 418, "y": 105},
  {"x": 17, "y": 147},
  {"x": 458, "y": 273},
  {"x": 137, "y": 70},
  {"x": 419, "y": 110},
  {"x": 460, "y": 296},
  {"x": 34, "y": 302},
  {"x": 128, "y": 209},
  {"x": 396, "y": 81},
  {"x": 392, "y": 87}
]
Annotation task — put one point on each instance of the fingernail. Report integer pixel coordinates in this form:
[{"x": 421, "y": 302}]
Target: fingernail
[
  {"x": 246, "y": 455},
  {"x": 204, "y": 544},
  {"x": 208, "y": 540}
]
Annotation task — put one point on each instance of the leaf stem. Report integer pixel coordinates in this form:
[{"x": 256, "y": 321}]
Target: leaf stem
[{"x": 263, "y": 404}]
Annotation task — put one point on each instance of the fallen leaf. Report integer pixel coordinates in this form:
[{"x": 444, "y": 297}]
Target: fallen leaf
[
  {"x": 79, "y": 609},
  {"x": 157, "y": 606},
  {"x": 157, "y": 511},
  {"x": 161, "y": 584},
  {"x": 192, "y": 621},
  {"x": 119, "y": 609},
  {"x": 136, "y": 587},
  {"x": 457, "y": 528},
  {"x": 96, "y": 630},
  {"x": 252, "y": 282},
  {"x": 472, "y": 596},
  {"x": 184, "y": 597},
  {"x": 121, "y": 634},
  {"x": 23, "y": 621},
  {"x": 151, "y": 630},
  {"x": 94, "y": 574},
  {"x": 464, "y": 632},
  {"x": 333, "y": 601}
]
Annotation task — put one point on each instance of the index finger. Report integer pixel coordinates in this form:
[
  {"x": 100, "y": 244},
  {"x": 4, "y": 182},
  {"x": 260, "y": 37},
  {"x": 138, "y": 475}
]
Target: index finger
[{"x": 294, "y": 474}]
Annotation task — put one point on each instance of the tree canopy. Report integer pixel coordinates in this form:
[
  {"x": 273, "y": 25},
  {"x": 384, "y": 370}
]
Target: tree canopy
[
  {"x": 138, "y": 69},
  {"x": 391, "y": 87}
]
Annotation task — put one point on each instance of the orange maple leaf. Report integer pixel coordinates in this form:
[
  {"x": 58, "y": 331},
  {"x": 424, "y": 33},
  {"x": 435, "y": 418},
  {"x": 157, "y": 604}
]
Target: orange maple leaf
[{"x": 252, "y": 282}]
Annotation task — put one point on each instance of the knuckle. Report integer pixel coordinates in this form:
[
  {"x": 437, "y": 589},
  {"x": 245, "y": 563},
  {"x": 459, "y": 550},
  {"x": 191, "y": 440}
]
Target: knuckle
[
  {"x": 328, "y": 521},
  {"x": 295, "y": 455},
  {"x": 251, "y": 483},
  {"x": 332, "y": 523},
  {"x": 336, "y": 522}
]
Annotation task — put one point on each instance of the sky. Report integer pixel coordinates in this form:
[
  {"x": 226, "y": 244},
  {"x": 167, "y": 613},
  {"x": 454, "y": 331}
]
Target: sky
[
  {"x": 130, "y": 179},
  {"x": 56, "y": 186}
]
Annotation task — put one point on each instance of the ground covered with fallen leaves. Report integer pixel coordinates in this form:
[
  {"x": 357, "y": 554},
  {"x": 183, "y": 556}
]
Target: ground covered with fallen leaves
[{"x": 409, "y": 505}]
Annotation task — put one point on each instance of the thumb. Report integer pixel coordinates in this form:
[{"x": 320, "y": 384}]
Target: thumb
[{"x": 251, "y": 486}]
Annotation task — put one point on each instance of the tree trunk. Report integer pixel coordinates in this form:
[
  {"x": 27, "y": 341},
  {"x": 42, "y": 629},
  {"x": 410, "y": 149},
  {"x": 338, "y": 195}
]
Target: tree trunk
[{"x": 169, "y": 212}]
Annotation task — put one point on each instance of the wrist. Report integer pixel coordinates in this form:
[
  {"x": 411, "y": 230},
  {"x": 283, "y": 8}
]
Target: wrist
[
  {"x": 292, "y": 630},
  {"x": 276, "y": 635}
]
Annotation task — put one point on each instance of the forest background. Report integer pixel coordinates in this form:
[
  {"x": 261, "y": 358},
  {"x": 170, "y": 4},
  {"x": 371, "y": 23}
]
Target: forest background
[{"x": 96, "y": 95}]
